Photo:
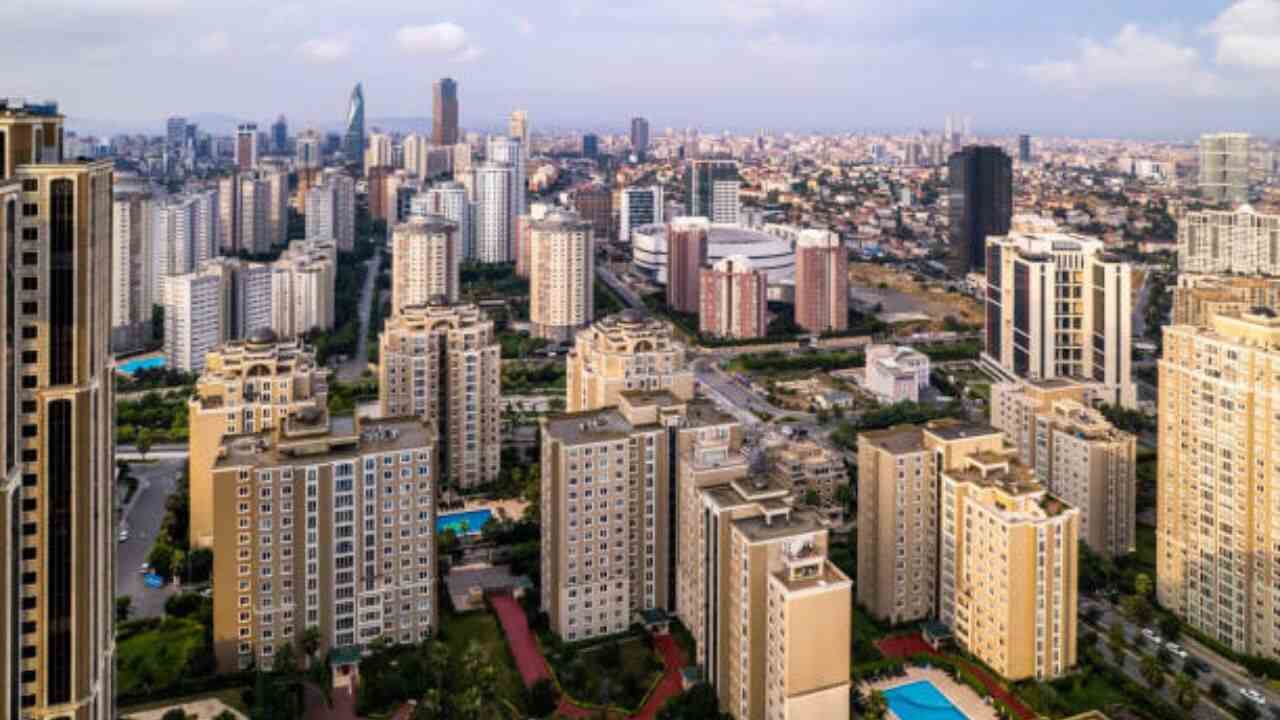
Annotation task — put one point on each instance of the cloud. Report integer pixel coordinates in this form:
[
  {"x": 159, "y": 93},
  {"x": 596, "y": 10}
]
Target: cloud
[
  {"x": 214, "y": 43},
  {"x": 979, "y": 64},
  {"x": 781, "y": 50},
  {"x": 443, "y": 38},
  {"x": 1133, "y": 60},
  {"x": 326, "y": 50},
  {"x": 523, "y": 25},
  {"x": 1248, "y": 35}
]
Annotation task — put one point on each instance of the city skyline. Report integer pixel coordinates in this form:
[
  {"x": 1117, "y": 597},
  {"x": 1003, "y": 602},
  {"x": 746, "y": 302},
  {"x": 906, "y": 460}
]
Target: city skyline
[{"x": 1142, "y": 70}]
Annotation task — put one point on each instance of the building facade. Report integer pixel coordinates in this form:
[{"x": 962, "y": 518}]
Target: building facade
[
  {"x": 1241, "y": 241},
  {"x": 979, "y": 205},
  {"x": 131, "y": 262},
  {"x": 492, "y": 183},
  {"x": 1197, "y": 298},
  {"x": 425, "y": 261},
  {"x": 895, "y": 374},
  {"x": 733, "y": 299},
  {"x": 822, "y": 282},
  {"x": 627, "y": 351},
  {"x": 561, "y": 276},
  {"x": 444, "y": 112},
  {"x": 686, "y": 257},
  {"x": 331, "y": 209},
  {"x": 640, "y": 206},
  {"x": 713, "y": 190},
  {"x": 1224, "y": 168}
]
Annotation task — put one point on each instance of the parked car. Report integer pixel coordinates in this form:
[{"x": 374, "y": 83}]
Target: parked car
[
  {"x": 144, "y": 568},
  {"x": 1153, "y": 636},
  {"x": 1176, "y": 650},
  {"x": 1254, "y": 695}
]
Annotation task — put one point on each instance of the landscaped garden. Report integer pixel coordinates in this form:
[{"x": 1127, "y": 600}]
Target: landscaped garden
[{"x": 619, "y": 672}]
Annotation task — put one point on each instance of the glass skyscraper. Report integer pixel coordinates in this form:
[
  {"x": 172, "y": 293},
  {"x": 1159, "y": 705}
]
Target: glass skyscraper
[{"x": 354, "y": 140}]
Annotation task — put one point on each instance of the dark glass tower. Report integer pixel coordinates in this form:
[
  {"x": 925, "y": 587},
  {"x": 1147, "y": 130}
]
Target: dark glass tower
[
  {"x": 981, "y": 204},
  {"x": 444, "y": 112},
  {"x": 353, "y": 142}
]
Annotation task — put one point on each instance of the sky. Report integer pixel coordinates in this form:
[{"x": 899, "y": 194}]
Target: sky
[{"x": 1100, "y": 68}]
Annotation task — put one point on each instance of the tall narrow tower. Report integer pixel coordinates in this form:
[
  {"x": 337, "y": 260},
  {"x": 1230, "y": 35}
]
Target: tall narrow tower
[
  {"x": 444, "y": 112},
  {"x": 354, "y": 140}
]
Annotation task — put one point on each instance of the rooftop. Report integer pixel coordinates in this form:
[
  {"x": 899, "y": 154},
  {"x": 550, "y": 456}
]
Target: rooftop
[
  {"x": 765, "y": 529},
  {"x": 949, "y": 430},
  {"x": 309, "y": 435},
  {"x": 588, "y": 427},
  {"x": 898, "y": 439}
]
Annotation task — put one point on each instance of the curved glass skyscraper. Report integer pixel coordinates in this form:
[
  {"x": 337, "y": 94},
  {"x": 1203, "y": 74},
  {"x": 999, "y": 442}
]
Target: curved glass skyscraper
[{"x": 353, "y": 143}]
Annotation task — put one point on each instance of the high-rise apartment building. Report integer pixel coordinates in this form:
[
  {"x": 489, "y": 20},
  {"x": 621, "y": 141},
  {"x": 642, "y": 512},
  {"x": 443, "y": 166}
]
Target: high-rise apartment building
[
  {"x": 378, "y": 151},
  {"x": 1215, "y": 519},
  {"x": 1197, "y": 298},
  {"x": 733, "y": 299},
  {"x": 1241, "y": 241},
  {"x": 223, "y": 299},
  {"x": 979, "y": 204},
  {"x": 494, "y": 219},
  {"x": 303, "y": 282},
  {"x": 131, "y": 237},
  {"x": 523, "y": 233},
  {"x": 687, "y": 241},
  {"x": 518, "y": 129},
  {"x": 1077, "y": 455},
  {"x": 246, "y": 147},
  {"x": 297, "y": 544},
  {"x": 631, "y": 350},
  {"x": 353, "y": 137},
  {"x": 1024, "y": 149},
  {"x": 228, "y": 224},
  {"x": 331, "y": 209},
  {"x": 277, "y": 180},
  {"x": 641, "y": 205},
  {"x": 57, "y": 493},
  {"x": 246, "y": 386},
  {"x": 442, "y": 362},
  {"x": 444, "y": 112},
  {"x": 822, "y": 282},
  {"x": 1059, "y": 307},
  {"x": 307, "y": 149},
  {"x": 183, "y": 235},
  {"x": 510, "y": 151},
  {"x": 639, "y": 136},
  {"x": 425, "y": 261},
  {"x": 1224, "y": 168},
  {"x": 561, "y": 276},
  {"x": 713, "y": 190},
  {"x": 449, "y": 200},
  {"x": 594, "y": 202},
  {"x": 257, "y": 201}
]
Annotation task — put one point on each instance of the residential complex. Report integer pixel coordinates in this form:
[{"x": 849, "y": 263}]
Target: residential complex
[
  {"x": 247, "y": 386},
  {"x": 1059, "y": 307},
  {"x": 733, "y": 299},
  {"x": 641, "y": 205},
  {"x": 303, "y": 281},
  {"x": 627, "y": 351},
  {"x": 331, "y": 209},
  {"x": 1216, "y": 530},
  {"x": 1224, "y": 168},
  {"x": 805, "y": 466},
  {"x": 895, "y": 373},
  {"x": 686, "y": 256},
  {"x": 449, "y": 200},
  {"x": 1197, "y": 298},
  {"x": 131, "y": 296},
  {"x": 491, "y": 187},
  {"x": 442, "y": 362},
  {"x": 324, "y": 522},
  {"x": 561, "y": 276},
  {"x": 425, "y": 261},
  {"x": 1241, "y": 241},
  {"x": 822, "y": 282}
]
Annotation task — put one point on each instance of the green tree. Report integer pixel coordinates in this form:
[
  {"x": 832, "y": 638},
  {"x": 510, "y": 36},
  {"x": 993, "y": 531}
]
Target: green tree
[
  {"x": 1115, "y": 641},
  {"x": 124, "y": 608},
  {"x": 144, "y": 441},
  {"x": 1142, "y": 584},
  {"x": 310, "y": 643},
  {"x": 877, "y": 706},
  {"x": 1186, "y": 694},
  {"x": 1170, "y": 628},
  {"x": 1138, "y": 608},
  {"x": 1217, "y": 690},
  {"x": 1247, "y": 710},
  {"x": 1151, "y": 671},
  {"x": 543, "y": 698}
]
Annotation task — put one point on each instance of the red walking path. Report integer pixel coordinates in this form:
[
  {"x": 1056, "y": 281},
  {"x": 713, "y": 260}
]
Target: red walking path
[
  {"x": 533, "y": 666},
  {"x": 904, "y": 646}
]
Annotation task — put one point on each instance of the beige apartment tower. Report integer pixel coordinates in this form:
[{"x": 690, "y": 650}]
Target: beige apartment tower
[
  {"x": 57, "y": 558},
  {"x": 443, "y": 363},
  {"x": 298, "y": 543},
  {"x": 247, "y": 387},
  {"x": 1197, "y": 298},
  {"x": 1241, "y": 241},
  {"x": 561, "y": 276},
  {"x": 425, "y": 258},
  {"x": 1216, "y": 530},
  {"x": 631, "y": 350}
]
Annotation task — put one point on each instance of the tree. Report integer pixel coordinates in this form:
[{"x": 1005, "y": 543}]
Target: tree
[
  {"x": 310, "y": 642},
  {"x": 1190, "y": 668},
  {"x": 543, "y": 698},
  {"x": 1247, "y": 710},
  {"x": 124, "y": 608},
  {"x": 877, "y": 706},
  {"x": 1170, "y": 628},
  {"x": 1138, "y": 608},
  {"x": 1142, "y": 584},
  {"x": 1151, "y": 671},
  {"x": 146, "y": 437},
  {"x": 699, "y": 703},
  {"x": 174, "y": 714},
  {"x": 1217, "y": 690},
  {"x": 1186, "y": 694}
]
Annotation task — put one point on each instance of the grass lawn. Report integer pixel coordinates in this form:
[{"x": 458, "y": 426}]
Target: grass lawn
[
  {"x": 459, "y": 630},
  {"x": 229, "y": 697},
  {"x": 1146, "y": 554},
  {"x": 158, "y": 658}
]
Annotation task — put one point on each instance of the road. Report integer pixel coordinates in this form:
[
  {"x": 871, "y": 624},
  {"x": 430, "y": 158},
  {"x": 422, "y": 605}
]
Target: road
[
  {"x": 156, "y": 482},
  {"x": 628, "y": 295},
  {"x": 355, "y": 366}
]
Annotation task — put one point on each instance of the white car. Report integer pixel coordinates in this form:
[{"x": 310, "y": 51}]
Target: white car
[
  {"x": 1176, "y": 650},
  {"x": 1153, "y": 636},
  {"x": 1254, "y": 695},
  {"x": 144, "y": 569}
]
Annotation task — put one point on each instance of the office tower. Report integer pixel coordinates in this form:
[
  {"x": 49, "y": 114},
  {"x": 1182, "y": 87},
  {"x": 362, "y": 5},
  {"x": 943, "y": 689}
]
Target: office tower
[
  {"x": 896, "y": 373},
  {"x": 1077, "y": 454},
  {"x": 331, "y": 209},
  {"x": 176, "y": 132},
  {"x": 1197, "y": 298},
  {"x": 303, "y": 280},
  {"x": 686, "y": 256},
  {"x": 628, "y": 351},
  {"x": 639, "y": 136},
  {"x": 353, "y": 139},
  {"x": 509, "y": 151},
  {"x": 1059, "y": 307},
  {"x": 378, "y": 152},
  {"x": 713, "y": 190},
  {"x": 822, "y": 282},
  {"x": 229, "y": 225},
  {"x": 246, "y": 386},
  {"x": 1024, "y": 149},
  {"x": 590, "y": 145},
  {"x": 444, "y": 112},
  {"x": 425, "y": 257},
  {"x": 307, "y": 152},
  {"x": 443, "y": 363},
  {"x": 246, "y": 147},
  {"x": 733, "y": 299},
  {"x": 303, "y": 480},
  {"x": 897, "y": 523},
  {"x": 561, "y": 276},
  {"x": 1224, "y": 168},
  {"x": 1240, "y": 241},
  {"x": 131, "y": 237},
  {"x": 493, "y": 215},
  {"x": 449, "y": 200},
  {"x": 641, "y": 205},
  {"x": 594, "y": 203},
  {"x": 979, "y": 204},
  {"x": 58, "y": 553},
  {"x": 1008, "y": 562},
  {"x": 280, "y": 136},
  {"x": 518, "y": 129},
  {"x": 1215, "y": 516}
]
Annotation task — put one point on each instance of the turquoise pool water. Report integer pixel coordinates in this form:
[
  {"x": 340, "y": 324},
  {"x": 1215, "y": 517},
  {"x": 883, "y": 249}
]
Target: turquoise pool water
[
  {"x": 921, "y": 701},
  {"x": 464, "y": 523},
  {"x": 134, "y": 366}
]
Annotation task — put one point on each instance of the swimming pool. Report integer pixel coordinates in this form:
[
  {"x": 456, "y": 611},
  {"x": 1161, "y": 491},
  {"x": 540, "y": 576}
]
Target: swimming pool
[
  {"x": 147, "y": 363},
  {"x": 464, "y": 523},
  {"x": 921, "y": 701}
]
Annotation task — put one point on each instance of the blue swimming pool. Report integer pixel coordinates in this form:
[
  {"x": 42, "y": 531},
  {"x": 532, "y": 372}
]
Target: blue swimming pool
[
  {"x": 147, "y": 363},
  {"x": 464, "y": 523},
  {"x": 921, "y": 701}
]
